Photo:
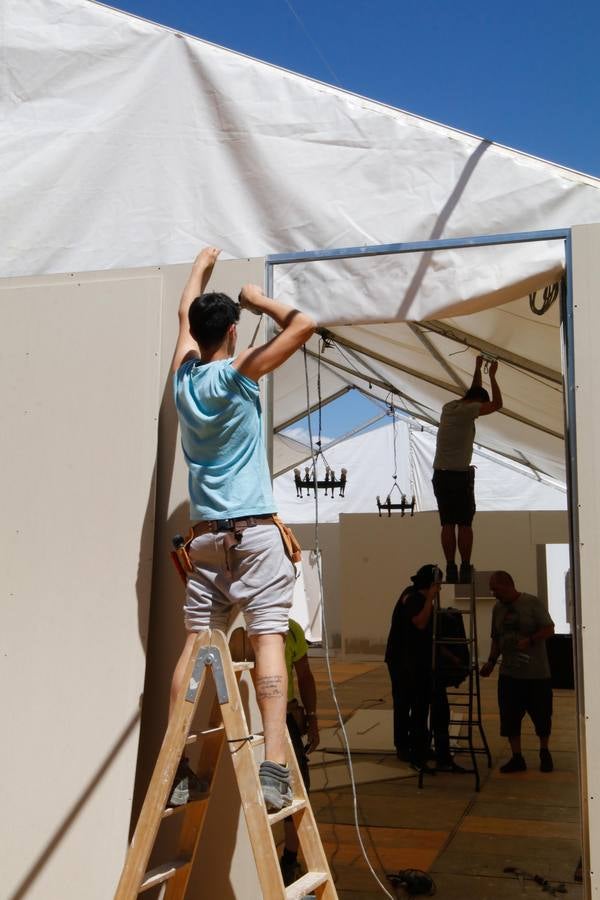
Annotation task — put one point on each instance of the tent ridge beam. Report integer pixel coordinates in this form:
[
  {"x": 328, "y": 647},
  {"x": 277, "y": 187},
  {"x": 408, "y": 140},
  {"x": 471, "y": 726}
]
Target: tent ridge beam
[
  {"x": 470, "y": 340},
  {"x": 372, "y": 379},
  {"x": 439, "y": 358},
  {"x": 313, "y": 408},
  {"x": 489, "y": 240},
  {"x": 331, "y": 444},
  {"x": 430, "y": 379}
]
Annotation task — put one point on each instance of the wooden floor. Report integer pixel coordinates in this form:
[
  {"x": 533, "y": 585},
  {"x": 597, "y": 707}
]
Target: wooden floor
[{"x": 462, "y": 838}]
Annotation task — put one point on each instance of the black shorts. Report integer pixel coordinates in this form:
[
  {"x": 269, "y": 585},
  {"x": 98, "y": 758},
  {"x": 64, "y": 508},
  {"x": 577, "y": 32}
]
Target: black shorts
[
  {"x": 517, "y": 696},
  {"x": 455, "y": 495}
]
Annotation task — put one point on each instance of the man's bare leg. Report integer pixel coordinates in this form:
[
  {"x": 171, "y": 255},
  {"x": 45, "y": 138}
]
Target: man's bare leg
[
  {"x": 449, "y": 542},
  {"x": 270, "y": 678},
  {"x": 465, "y": 542},
  {"x": 515, "y": 745}
]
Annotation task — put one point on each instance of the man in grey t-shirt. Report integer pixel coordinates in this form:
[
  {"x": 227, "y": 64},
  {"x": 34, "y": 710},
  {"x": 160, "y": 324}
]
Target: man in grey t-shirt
[
  {"x": 453, "y": 475},
  {"x": 521, "y": 625}
]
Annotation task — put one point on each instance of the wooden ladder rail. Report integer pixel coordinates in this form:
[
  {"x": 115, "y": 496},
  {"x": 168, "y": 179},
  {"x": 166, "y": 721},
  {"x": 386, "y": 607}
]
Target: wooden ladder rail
[{"x": 227, "y": 727}]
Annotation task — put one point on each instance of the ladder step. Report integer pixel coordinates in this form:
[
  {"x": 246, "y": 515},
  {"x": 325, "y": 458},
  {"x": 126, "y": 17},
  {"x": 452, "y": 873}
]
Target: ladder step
[
  {"x": 162, "y": 873},
  {"x": 257, "y": 739},
  {"x": 304, "y": 885},
  {"x": 441, "y": 640},
  {"x": 193, "y": 737},
  {"x": 243, "y": 666},
  {"x": 294, "y": 807},
  {"x": 175, "y": 810}
]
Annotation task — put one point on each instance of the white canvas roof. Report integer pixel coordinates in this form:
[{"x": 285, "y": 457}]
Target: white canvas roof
[
  {"x": 129, "y": 144},
  {"x": 369, "y": 459}
]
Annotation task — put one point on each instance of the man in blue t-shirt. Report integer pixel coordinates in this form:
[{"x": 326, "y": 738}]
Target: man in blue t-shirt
[{"x": 236, "y": 554}]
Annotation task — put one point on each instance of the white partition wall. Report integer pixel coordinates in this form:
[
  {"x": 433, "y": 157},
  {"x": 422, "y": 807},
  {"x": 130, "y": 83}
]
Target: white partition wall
[
  {"x": 584, "y": 434},
  {"x": 84, "y": 365},
  {"x": 225, "y": 866},
  {"x": 79, "y": 387}
]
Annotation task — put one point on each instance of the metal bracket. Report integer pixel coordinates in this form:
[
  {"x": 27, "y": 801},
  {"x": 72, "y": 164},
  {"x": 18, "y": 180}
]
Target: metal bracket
[{"x": 208, "y": 656}]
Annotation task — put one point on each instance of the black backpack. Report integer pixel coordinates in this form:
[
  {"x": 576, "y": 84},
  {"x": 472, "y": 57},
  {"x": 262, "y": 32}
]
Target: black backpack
[{"x": 450, "y": 624}]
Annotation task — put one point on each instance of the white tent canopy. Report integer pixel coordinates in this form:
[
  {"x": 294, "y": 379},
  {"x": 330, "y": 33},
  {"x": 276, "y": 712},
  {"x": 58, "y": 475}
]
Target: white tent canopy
[
  {"x": 428, "y": 364},
  {"x": 369, "y": 459},
  {"x": 143, "y": 144}
]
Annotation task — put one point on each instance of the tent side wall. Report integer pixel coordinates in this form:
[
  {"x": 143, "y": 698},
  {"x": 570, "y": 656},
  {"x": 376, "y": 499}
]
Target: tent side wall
[
  {"x": 584, "y": 439},
  {"x": 225, "y": 867},
  {"x": 85, "y": 362},
  {"x": 79, "y": 393}
]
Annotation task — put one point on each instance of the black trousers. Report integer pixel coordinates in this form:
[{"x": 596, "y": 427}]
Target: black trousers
[
  {"x": 440, "y": 724},
  {"x": 299, "y": 750},
  {"x": 411, "y": 693}
]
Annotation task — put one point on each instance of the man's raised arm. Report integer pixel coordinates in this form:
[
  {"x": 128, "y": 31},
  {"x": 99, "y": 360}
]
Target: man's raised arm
[
  {"x": 496, "y": 402},
  {"x": 476, "y": 383},
  {"x": 186, "y": 347},
  {"x": 296, "y": 328}
]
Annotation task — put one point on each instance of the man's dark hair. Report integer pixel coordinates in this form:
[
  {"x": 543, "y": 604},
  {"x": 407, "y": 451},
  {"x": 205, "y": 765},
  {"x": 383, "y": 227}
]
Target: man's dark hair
[
  {"x": 210, "y": 316},
  {"x": 477, "y": 393}
]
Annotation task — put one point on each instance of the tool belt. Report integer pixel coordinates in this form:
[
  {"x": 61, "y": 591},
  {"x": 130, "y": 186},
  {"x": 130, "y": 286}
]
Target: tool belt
[{"x": 234, "y": 529}]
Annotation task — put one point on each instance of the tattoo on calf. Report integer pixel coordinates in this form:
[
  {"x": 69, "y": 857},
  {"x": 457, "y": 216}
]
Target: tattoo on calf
[{"x": 269, "y": 687}]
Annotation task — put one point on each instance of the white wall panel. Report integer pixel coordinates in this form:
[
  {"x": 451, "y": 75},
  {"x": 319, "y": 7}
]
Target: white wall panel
[
  {"x": 79, "y": 388},
  {"x": 586, "y": 387}
]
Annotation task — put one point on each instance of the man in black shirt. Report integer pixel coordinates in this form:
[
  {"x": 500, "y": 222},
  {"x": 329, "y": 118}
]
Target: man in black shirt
[{"x": 409, "y": 660}]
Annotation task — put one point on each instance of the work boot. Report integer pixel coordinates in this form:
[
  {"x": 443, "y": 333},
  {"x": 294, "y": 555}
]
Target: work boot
[
  {"x": 275, "y": 783},
  {"x": 466, "y": 573},
  {"x": 186, "y": 785},
  {"x": 546, "y": 762},
  {"x": 451, "y": 573},
  {"x": 448, "y": 765},
  {"x": 515, "y": 764},
  {"x": 420, "y": 766}
]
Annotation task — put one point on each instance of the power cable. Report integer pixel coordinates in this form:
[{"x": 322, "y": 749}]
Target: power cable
[
  {"x": 317, "y": 551},
  {"x": 549, "y": 295},
  {"x": 313, "y": 42}
]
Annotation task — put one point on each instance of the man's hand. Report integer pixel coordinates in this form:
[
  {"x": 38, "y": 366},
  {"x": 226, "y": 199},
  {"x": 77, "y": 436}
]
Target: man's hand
[
  {"x": 493, "y": 368},
  {"x": 207, "y": 258},
  {"x": 524, "y": 644},
  {"x": 249, "y": 295},
  {"x": 478, "y": 362},
  {"x": 186, "y": 347},
  {"x": 312, "y": 733},
  {"x": 487, "y": 669}
]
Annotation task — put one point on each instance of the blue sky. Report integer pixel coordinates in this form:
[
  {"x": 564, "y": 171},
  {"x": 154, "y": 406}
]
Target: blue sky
[{"x": 523, "y": 74}]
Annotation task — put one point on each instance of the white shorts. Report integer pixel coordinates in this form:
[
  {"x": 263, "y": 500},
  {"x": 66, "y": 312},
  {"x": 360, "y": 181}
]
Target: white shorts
[{"x": 256, "y": 575}]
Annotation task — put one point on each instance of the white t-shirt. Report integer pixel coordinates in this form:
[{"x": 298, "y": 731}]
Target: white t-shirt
[{"x": 456, "y": 434}]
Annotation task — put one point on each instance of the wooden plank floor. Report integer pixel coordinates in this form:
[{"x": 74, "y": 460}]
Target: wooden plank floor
[{"x": 464, "y": 839}]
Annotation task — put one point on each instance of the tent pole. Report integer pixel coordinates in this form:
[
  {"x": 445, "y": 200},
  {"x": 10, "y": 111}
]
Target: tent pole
[
  {"x": 269, "y": 384},
  {"x": 420, "y": 376},
  {"x": 438, "y": 356},
  {"x": 463, "y": 337}
]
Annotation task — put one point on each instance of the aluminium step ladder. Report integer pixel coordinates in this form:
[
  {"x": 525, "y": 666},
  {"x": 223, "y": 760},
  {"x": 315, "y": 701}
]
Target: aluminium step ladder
[
  {"x": 227, "y": 729},
  {"x": 468, "y": 700}
]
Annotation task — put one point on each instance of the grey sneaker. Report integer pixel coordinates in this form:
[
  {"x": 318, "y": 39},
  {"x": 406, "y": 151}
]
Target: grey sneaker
[
  {"x": 186, "y": 785},
  {"x": 276, "y": 787}
]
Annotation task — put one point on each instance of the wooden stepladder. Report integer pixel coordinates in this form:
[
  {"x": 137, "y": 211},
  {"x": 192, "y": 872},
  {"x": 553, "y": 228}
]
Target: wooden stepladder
[{"x": 227, "y": 732}]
